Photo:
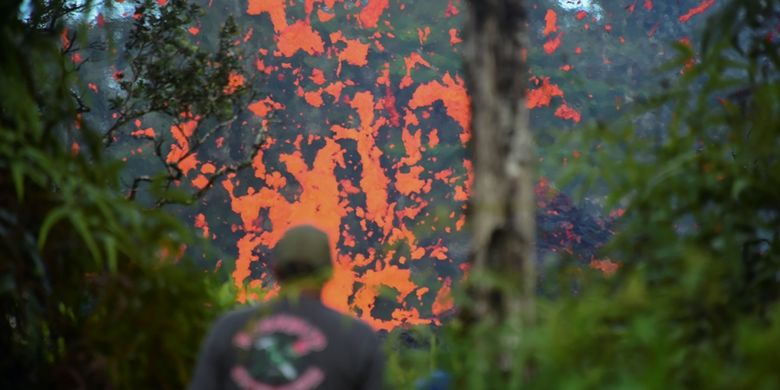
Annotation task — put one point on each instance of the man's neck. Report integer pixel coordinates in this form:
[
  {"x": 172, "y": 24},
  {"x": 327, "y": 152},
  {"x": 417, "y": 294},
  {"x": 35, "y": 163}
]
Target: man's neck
[{"x": 296, "y": 292}]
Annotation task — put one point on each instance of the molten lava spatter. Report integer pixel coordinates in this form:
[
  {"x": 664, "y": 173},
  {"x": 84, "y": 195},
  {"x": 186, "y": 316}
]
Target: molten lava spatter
[
  {"x": 453, "y": 94},
  {"x": 703, "y": 6},
  {"x": 368, "y": 122},
  {"x": 365, "y": 175}
]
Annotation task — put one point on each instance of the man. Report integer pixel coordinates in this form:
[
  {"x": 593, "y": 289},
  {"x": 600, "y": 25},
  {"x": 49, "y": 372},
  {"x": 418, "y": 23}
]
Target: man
[{"x": 293, "y": 342}]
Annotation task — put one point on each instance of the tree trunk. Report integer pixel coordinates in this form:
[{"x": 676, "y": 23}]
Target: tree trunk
[{"x": 502, "y": 205}]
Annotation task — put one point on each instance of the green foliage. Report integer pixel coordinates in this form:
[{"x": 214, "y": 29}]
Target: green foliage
[
  {"x": 94, "y": 290},
  {"x": 167, "y": 79},
  {"x": 169, "y": 73},
  {"x": 695, "y": 303}
]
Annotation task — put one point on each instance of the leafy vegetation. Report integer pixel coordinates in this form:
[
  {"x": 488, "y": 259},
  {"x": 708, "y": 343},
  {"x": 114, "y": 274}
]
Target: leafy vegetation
[{"x": 95, "y": 291}]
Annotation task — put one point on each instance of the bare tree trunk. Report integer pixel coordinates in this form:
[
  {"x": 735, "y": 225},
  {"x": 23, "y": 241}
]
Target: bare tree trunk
[{"x": 502, "y": 209}]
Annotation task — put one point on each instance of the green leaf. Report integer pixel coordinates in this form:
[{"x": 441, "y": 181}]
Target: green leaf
[
  {"x": 80, "y": 224},
  {"x": 52, "y": 218},
  {"x": 739, "y": 187},
  {"x": 111, "y": 252},
  {"x": 17, "y": 170}
]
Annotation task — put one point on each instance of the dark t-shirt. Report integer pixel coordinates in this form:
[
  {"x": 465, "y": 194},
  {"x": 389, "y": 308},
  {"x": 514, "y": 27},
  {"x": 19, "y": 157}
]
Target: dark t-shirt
[{"x": 289, "y": 345}]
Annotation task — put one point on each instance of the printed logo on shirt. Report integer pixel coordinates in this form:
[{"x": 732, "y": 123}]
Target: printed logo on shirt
[{"x": 271, "y": 352}]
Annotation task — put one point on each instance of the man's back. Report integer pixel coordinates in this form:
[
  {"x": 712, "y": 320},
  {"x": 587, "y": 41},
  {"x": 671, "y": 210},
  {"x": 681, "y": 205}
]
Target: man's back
[{"x": 289, "y": 344}]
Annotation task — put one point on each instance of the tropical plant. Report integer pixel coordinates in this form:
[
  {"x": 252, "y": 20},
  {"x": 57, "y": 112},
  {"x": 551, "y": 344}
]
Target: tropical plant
[{"x": 95, "y": 290}]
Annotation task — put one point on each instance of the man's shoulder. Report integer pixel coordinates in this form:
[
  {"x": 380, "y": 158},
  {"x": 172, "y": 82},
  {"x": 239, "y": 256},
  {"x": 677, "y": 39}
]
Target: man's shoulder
[
  {"x": 352, "y": 326},
  {"x": 236, "y": 318},
  {"x": 319, "y": 313},
  {"x": 240, "y": 313}
]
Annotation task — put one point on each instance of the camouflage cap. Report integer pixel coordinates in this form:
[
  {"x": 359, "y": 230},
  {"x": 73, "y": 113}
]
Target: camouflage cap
[{"x": 303, "y": 245}]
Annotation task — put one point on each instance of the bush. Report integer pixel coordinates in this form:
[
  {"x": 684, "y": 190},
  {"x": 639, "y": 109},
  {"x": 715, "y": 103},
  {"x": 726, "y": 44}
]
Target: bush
[{"x": 94, "y": 292}]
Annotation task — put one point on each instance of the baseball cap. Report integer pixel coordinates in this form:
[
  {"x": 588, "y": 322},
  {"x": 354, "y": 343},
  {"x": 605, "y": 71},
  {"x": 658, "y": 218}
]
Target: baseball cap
[{"x": 303, "y": 246}]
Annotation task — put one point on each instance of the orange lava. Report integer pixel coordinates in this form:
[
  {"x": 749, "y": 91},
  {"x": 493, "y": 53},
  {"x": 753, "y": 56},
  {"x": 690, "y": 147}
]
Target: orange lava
[
  {"x": 355, "y": 52},
  {"x": 451, "y": 92},
  {"x": 373, "y": 180},
  {"x": 180, "y": 151},
  {"x": 317, "y": 76},
  {"x": 703, "y": 6},
  {"x": 317, "y": 203},
  {"x": 551, "y": 22},
  {"x": 412, "y": 144},
  {"x": 454, "y": 39},
  {"x": 541, "y": 97},
  {"x": 566, "y": 112},
  {"x": 314, "y": 98},
  {"x": 443, "y": 301},
  {"x": 608, "y": 267},
  {"x": 552, "y": 44},
  {"x": 235, "y": 81},
  {"x": 300, "y": 36},
  {"x": 408, "y": 183},
  {"x": 261, "y": 108},
  {"x": 275, "y": 9},
  {"x": 364, "y": 174},
  {"x": 413, "y": 60},
  {"x": 370, "y": 14},
  {"x": 200, "y": 223}
]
